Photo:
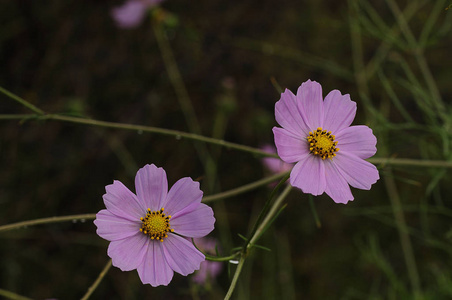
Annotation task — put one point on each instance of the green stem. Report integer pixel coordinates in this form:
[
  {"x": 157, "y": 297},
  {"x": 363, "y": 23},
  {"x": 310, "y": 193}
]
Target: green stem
[
  {"x": 244, "y": 188},
  {"x": 260, "y": 230},
  {"x": 411, "y": 162},
  {"x": 12, "y": 296},
  {"x": 140, "y": 128},
  {"x": 47, "y": 221},
  {"x": 235, "y": 278},
  {"x": 402, "y": 228},
  {"x": 229, "y": 145},
  {"x": 257, "y": 234},
  {"x": 21, "y": 101},
  {"x": 176, "y": 78},
  {"x": 101, "y": 276},
  {"x": 314, "y": 211}
]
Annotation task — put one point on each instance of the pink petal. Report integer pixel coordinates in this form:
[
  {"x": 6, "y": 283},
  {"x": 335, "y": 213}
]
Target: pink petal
[
  {"x": 183, "y": 193},
  {"x": 340, "y": 111},
  {"x": 336, "y": 185},
  {"x": 121, "y": 202},
  {"x": 207, "y": 270},
  {"x": 155, "y": 270},
  {"x": 310, "y": 104},
  {"x": 128, "y": 253},
  {"x": 275, "y": 165},
  {"x": 181, "y": 255},
  {"x": 195, "y": 220},
  {"x": 358, "y": 172},
  {"x": 358, "y": 140},
  {"x": 152, "y": 187},
  {"x": 290, "y": 148},
  {"x": 288, "y": 116},
  {"x": 130, "y": 14},
  {"x": 112, "y": 227},
  {"x": 309, "y": 175}
]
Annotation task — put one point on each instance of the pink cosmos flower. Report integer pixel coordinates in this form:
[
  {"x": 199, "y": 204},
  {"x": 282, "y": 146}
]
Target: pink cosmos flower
[
  {"x": 209, "y": 269},
  {"x": 316, "y": 134},
  {"x": 132, "y": 12},
  {"x": 274, "y": 165},
  {"x": 145, "y": 230}
]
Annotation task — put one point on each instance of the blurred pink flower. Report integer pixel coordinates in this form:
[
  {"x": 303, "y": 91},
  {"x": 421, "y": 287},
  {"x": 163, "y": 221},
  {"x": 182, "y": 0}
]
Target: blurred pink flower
[
  {"x": 145, "y": 230},
  {"x": 274, "y": 165},
  {"x": 209, "y": 269},
  {"x": 316, "y": 134},
  {"x": 132, "y": 12}
]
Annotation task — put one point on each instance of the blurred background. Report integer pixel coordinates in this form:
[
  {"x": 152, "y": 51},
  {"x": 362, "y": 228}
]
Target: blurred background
[{"x": 73, "y": 58}]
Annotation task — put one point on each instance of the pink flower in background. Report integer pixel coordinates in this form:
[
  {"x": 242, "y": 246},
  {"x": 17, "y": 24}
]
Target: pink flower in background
[
  {"x": 274, "y": 165},
  {"x": 317, "y": 136},
  {"x": 132, "y": 12},
  {"x": 145, "y": 229},
  {"x": 209, "y": 269}
]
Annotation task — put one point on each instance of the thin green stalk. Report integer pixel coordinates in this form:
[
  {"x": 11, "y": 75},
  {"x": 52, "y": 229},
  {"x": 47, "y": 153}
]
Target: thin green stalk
[
  {"x": 228, "y": 145},
  {"x": 257, "y": 234},
  {"x": 47, "y": 221},
  {"x": 273, "y": 211},
  {"x": 140, "y": 129},
  {"x": 358, "y": 58},
  {"x": 12, "y": 296},
  {"x": 427, "y": 27},
  {"x": 244, "y": 188},
  {"x": 182, "y": 94},
  {"x": 402, "y": 228},
  {"x": 296, "y": 55},
  {"x": 101, "y": 276},
  {"x": 235, "y": 278},
  {"x": 411, "y": 162},
  {"x": 264, "y": 212},
  {"x": 176, "y": 78},
  {"x": 314, "y": 211},
  {"x": 21, "y": 101},
  {"x": 419, "y": 54}
]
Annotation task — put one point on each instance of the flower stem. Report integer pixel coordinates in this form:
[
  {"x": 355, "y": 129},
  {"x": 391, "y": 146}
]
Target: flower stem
[
  {"x": 244, "y": 188},
  {"x": 101, "y": 276},
  {"x": 21, "y": 101},
  {"x": 411, "y": 162},
  {"x": 46, "y": 221},
  {"x": 140, "y": 128},
  {"x": 274, "y": 209},
  {"x": 257, "y": 234},
  {"x": 11, "y": 295},
  {"x": 236, "y": 277}
]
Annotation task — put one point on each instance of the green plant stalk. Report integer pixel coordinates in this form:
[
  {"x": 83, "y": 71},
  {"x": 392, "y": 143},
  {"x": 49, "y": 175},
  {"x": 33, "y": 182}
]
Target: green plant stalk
[
  {"x": 181, "y": 92},
  {"x": 47, "y": 221},
  {"x": 381, "y": 53},
  {"x": 21, "y": 101},
  {"x": 96, "y": 283},
  {"x": 12, "y": 296},
  {"x": 140, "y": 128},
  {"x": 273, "y": 211},
  {"x": 228, "y": 145},
  {"x": 265, "y": 209},
  {"x": 238, "y": 270},
  {"x": 314, "y": 211},
  {"x": 211, "y": 198},
  {"x": 418, "y": 52},
  {"x": 257, "y": 234},
  {"x": 402, "y": 228},
  {"x": 411, "y": 162}
]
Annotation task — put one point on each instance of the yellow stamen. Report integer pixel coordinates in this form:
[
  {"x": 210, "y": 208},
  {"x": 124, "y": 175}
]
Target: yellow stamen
[
  {"x": 156, "y": 224},
  {"x": 322, "y": 143}
]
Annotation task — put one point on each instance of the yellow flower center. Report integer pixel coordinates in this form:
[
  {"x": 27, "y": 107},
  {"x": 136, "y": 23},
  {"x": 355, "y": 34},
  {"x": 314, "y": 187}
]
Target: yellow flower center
[
  {"x": 156, "y": 224},
  {"x": 321, "y": 143}
]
